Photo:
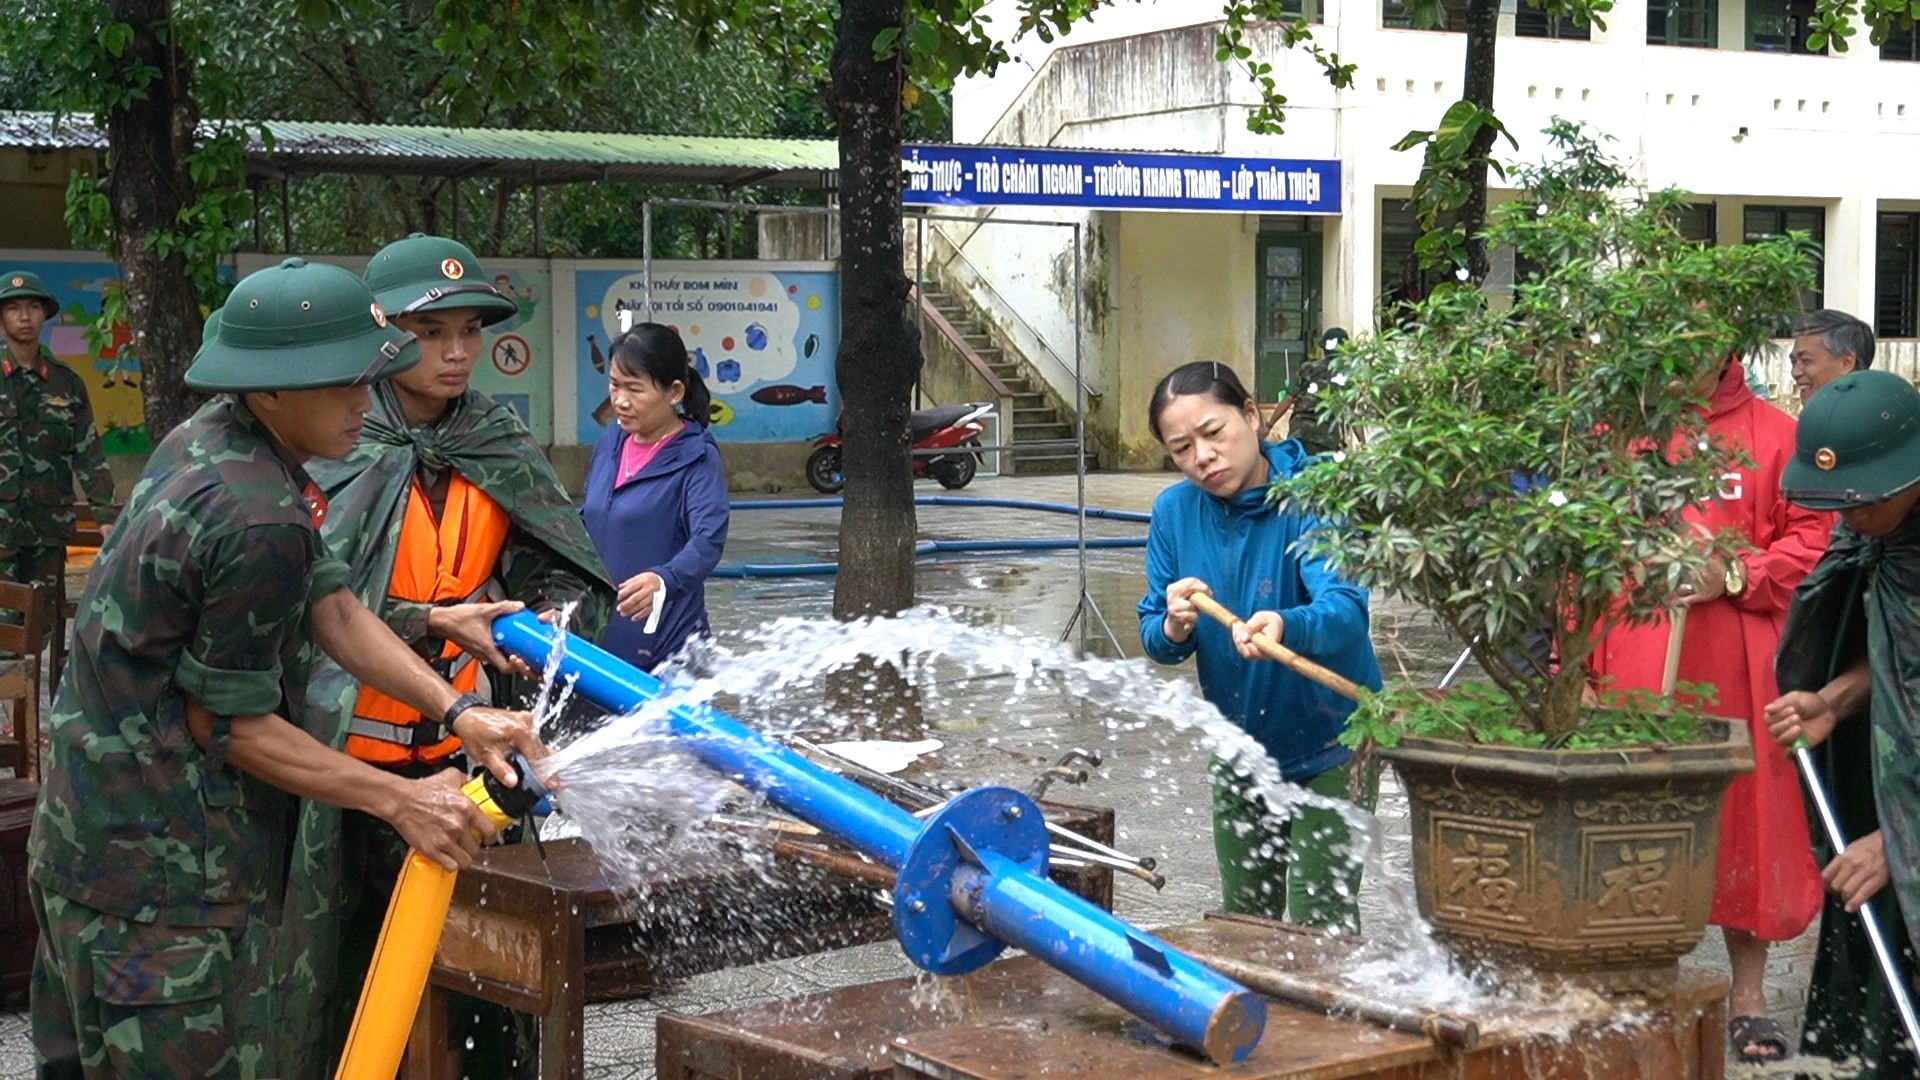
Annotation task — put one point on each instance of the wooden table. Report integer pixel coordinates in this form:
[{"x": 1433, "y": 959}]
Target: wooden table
[
  {"x": 19, "y": 932},
  {"x": 547, "y": 939},
  {"x": 1021, "y": 1018}
]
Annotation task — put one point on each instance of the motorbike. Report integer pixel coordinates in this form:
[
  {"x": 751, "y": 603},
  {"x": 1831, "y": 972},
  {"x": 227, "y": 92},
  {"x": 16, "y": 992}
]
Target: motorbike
[{"x": 944, "y": 427}]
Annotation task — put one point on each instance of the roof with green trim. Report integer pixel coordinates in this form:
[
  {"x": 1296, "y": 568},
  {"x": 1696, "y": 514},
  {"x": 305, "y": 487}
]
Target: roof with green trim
[{"x": 306, "y": 148}]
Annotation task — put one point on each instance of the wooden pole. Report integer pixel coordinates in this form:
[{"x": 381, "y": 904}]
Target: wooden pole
[
  {"x": 1676, "y": 631},
  {"x": 1273, "y": 650}
]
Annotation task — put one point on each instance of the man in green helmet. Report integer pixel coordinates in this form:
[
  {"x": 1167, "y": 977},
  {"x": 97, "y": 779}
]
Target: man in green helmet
[
  {"x": 445, "y": 505},
  {"x": 1316, "y": 431},
  {"x": 47, "y": 440},
  {"x": 1849, "y": 673},
  {"x": 180, "y": 736}
]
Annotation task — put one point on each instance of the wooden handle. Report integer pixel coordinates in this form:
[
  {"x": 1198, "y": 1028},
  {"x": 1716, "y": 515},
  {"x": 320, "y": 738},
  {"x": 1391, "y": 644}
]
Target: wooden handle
[
  {"x": 1676, "y": 630},
  {"x": 1273, "y": 650}
]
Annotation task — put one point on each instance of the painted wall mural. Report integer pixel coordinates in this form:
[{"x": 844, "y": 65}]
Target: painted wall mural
[
  {"x": 763, "y": 335},
  {"x": 113, "y": 380}
]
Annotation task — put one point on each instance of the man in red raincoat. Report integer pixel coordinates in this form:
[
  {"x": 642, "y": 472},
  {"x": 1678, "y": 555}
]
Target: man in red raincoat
[{"x": 1768, "y": 887}]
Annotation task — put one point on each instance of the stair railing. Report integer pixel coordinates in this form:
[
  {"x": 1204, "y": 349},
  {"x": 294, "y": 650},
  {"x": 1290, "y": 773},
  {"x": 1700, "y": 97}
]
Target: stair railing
[{"x": 1003, "y": 307}]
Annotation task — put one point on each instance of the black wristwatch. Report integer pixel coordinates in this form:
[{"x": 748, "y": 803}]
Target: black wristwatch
[{"x": 460, "y": 705}]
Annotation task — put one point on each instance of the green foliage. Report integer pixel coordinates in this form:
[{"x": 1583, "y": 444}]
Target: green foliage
[
  {"x": 1446, "y": 171},
  {"x": 1482, "y": 714},
  {"x": 1530, "y": 467},
  {"x": 85, "y": 63},
  {"x": 1269, "y": 117}
]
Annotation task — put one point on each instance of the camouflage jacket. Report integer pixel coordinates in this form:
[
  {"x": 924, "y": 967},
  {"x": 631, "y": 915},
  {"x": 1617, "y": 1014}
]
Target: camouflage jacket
[
  {"x": 47, "y": 438},
  {"x": 1317, "y": 433},
  {"x": 548, "y": 561},
  {"x": 201, "y": 593}
]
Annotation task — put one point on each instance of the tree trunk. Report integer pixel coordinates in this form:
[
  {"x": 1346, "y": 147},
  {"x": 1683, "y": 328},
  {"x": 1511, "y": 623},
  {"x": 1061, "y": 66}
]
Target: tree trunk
[
  {"x": 879, "y": 343},
  {"x": 148, "y": 140},
  {"x": 1483, "y": 32}
]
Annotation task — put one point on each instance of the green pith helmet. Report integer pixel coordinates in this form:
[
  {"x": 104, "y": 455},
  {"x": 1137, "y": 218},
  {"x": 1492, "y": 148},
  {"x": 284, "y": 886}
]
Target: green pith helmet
[
  {"x": 299, "y": 326},
  {"x": 433, "y": 273},
  {"x": 1858, "y": 443},
  {"x": 21, "y": 285}
]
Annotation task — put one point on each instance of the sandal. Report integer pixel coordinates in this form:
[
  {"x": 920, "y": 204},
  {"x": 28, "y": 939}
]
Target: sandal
[{"x": 1758, "y": 1038}]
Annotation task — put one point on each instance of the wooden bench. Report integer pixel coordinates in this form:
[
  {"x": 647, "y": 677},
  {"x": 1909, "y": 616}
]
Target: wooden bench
[{"x": 547, "y": 937}]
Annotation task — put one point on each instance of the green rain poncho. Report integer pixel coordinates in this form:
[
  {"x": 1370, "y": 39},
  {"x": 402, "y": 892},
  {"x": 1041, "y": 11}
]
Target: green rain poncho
[
  {"x": 547, "y": 561},
  {"x": 1863, "y": 599}
]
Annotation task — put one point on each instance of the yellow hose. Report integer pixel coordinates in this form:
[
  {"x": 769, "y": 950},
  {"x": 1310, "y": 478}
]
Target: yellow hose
[{"x": 404, "y": 957}]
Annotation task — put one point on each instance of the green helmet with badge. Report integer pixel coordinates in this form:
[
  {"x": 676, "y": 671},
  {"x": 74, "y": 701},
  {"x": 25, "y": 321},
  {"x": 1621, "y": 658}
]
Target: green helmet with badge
[
  {"x": 24, "y": 285},
  {"x": 299, "y": 326},
  {"x": 433, "y": 273},
  {"x": 1858, "y": 443}
]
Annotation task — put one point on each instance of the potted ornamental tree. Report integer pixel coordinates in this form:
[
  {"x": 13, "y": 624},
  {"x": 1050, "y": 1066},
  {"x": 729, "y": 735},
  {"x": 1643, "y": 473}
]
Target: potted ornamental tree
[{"x": 1525, "y": 480}]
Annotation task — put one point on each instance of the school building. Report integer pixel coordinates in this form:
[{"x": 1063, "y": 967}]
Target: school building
[{"x": 1722, "y": 98}]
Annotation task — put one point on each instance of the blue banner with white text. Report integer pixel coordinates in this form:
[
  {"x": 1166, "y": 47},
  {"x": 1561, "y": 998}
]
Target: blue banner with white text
[{"x": 1109, "y": 180}]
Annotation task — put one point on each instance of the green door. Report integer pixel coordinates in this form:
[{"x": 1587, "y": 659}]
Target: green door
[{"x": 1287, "y": 309}]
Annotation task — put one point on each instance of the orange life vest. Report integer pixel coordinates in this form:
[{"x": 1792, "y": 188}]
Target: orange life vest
[{"x": 448, "y": 560}]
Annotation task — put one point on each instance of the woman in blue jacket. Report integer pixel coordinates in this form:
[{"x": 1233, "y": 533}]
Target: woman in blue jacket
[
  {"x": 1214, "y": 532},
  {"x": 656, "y": 500}
]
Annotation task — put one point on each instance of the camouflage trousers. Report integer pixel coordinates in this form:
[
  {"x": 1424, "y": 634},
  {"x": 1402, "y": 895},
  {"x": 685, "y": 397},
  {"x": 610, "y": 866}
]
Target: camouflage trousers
[
  {"x": 44, "y": 566},
  {"x": 116, "y": 998}
]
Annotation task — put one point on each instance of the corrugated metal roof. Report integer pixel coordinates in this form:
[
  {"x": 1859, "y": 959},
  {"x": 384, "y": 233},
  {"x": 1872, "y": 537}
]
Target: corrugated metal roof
[{"x": 306, "y": 148}]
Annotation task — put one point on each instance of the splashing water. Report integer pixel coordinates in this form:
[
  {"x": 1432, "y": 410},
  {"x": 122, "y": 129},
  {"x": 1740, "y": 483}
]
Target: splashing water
[{"x": 645, "y": 805}]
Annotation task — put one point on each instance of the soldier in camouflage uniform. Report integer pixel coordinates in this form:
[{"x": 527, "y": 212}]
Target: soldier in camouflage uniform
[
  {"x": 47, "y": 439},
  {"x": 159, "y": 849},
  {"x": 1849, "y": 674},
  {"x": 1315, "y": 432},
  {"x": 405, "y": 484}
]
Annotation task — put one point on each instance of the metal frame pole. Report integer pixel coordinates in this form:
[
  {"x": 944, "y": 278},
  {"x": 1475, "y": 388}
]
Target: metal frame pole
[
  {"x": 1902, "y": 1002},
  {"x": 646, "y": 256},
  {"x": 920, "y": 305}
]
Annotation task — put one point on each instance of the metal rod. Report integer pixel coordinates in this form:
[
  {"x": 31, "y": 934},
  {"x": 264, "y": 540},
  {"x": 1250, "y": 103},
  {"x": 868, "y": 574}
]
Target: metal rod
[
  {"x": 1459, "y": 665},
  {"x": 1273, "y": 650},
  {"x": 971, "y": 881},
  {"x": 646, "y": 256},
  {"x": 927, "y": 802},
  {"x": 919, "y": 309},
  {"x": 1456, "y": 1031},
  {"x": 1838, "y": 839}
]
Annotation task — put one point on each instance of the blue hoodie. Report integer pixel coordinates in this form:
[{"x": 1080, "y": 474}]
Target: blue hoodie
[
  {"x": 1242, "y": 548},
  {"x": 670, "y": 519}
]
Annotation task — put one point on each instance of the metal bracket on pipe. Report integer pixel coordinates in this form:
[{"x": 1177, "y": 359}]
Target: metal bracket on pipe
[{"x": 996, "y": 819}]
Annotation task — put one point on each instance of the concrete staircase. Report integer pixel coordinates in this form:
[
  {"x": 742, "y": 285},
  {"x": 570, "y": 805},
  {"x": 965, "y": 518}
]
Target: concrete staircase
[{"x": 1040, "y": 431}]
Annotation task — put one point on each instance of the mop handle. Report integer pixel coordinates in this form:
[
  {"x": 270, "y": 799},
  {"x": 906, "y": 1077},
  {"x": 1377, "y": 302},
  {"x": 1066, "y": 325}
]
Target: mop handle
[
  {"x": 1273, "y": 650},
  {"x": 1867, "y": 919}
]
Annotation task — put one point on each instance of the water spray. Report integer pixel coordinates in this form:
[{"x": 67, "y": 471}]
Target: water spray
[
  {"x": 411, "y": 934},
  {"x": 969, "y": 881}
]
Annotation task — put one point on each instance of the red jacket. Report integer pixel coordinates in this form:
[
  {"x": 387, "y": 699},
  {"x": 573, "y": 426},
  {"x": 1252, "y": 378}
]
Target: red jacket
[{"x": 1768, "y": 882}]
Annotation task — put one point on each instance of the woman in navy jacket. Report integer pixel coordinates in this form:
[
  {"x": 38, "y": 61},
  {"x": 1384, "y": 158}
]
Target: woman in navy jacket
[
  {"x": 1215, "y": 532},
  {"x": 656, "y": 499}
]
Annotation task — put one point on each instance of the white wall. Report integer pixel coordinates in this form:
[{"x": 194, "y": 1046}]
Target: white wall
[{"x": 1842, "y": 132}]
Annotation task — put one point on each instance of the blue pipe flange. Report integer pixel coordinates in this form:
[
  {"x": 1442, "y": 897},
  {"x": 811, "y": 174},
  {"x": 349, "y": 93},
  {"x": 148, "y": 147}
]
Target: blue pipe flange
[{"x": 987, "y": 819}]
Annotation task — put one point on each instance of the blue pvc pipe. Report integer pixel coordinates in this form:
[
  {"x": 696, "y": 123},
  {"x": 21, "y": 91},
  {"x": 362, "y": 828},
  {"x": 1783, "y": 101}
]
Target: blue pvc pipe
[
  {"x": 1146, "y": 975},
  {"x": 952, "y": 500},
  {"x": 1192, "y": 1004},
  {"x": 929, "y": 547}
]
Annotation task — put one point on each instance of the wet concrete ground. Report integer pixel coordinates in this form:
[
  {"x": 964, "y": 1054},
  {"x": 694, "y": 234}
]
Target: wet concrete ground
[{"x": 1154, "y": 778}]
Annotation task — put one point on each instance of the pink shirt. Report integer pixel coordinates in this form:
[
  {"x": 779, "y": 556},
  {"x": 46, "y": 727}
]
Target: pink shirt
[{"x": 634, "y": 455}]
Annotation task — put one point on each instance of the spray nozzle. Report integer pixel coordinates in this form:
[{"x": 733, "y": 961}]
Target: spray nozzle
[{"x": 522, "y": 799}]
